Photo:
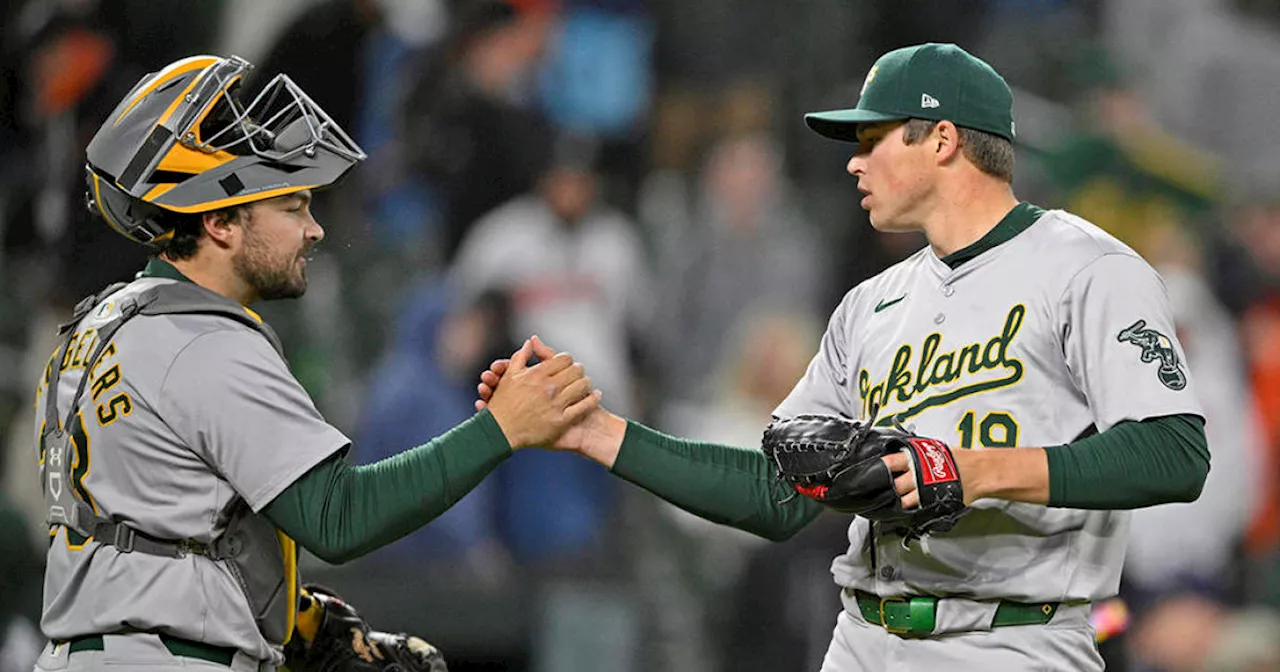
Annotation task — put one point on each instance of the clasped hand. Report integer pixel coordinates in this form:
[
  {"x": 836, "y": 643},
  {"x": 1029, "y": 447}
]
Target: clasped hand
[{"x": 536, "y": 404}]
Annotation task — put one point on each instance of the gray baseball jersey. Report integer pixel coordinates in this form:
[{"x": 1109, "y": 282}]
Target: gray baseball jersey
[
  {"x": 1053, "y": 330},
  {"x": 185, "y": 416}
]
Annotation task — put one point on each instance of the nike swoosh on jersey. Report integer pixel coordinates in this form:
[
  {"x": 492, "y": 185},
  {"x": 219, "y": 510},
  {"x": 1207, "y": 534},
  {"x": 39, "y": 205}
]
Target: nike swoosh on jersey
[{"x": 885, "y": 304}]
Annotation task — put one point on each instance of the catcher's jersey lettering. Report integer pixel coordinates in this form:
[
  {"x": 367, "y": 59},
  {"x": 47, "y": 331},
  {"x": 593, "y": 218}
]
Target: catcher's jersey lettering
[
  {"x": 1057, "y": 328},
  {"x": 119, "y": 406},
  {"x": 905, "y": 380},
  {"x": 185, "y": 419}
]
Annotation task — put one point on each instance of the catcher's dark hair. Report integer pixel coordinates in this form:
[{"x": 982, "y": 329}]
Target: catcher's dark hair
[
  {"x": 187, "y": 230},
  {"x": 991, "y": 153}
]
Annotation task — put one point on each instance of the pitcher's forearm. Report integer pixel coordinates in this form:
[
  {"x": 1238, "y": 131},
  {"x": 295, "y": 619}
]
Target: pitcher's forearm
[{"x": 723, "y": 484}]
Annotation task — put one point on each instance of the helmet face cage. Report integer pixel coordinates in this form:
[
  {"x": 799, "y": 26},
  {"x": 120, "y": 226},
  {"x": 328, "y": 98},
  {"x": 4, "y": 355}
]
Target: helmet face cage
[
  {"x": 281, "y": 122},
  {"x": 182, "y": 141}
]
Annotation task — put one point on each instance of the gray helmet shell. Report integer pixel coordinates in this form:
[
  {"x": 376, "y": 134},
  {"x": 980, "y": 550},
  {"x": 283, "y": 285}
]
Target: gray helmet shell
[{"x": 182, "y": 141}]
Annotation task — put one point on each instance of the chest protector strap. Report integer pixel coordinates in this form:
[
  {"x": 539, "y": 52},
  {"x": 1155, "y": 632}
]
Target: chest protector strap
[{"x": 64, "y": 505}]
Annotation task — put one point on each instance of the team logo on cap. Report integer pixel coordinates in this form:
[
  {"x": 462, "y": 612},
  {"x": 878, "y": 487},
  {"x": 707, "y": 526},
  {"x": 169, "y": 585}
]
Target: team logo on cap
[{"x": 871, "y": 74}]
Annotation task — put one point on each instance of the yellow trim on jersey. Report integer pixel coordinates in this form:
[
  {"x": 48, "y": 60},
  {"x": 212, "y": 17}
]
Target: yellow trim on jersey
[
  {"x": 67, "y": 538},
  {"x": 290, "y": 549},
  {"x": 252, "y": 314},
  {"x": 174, "y": 69},
  {"x": 237, "y": 200},
  {"x": 126, "y": 408},
  {"x": 109, "y": 379},
  {"x": 88, "y": 460}
]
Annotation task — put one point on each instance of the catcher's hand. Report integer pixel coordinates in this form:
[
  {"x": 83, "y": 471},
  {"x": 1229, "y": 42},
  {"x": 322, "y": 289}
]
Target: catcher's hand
[
  {"x": 332, "y": 637},
  {"x": 838, "y": 462}
]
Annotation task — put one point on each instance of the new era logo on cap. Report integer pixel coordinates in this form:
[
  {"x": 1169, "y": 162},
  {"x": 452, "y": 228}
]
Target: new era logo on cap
[{"x": 976, "y": 95}]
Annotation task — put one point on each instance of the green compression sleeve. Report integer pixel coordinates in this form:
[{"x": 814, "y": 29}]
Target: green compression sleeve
[
  {"x": 723, "y": 484},
  {"x": 340, "y": 512},
  {"x": 1131, "y": 465}
]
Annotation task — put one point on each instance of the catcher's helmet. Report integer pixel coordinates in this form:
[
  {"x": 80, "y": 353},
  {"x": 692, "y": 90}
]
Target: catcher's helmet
[{"x": 182, "y": 141}]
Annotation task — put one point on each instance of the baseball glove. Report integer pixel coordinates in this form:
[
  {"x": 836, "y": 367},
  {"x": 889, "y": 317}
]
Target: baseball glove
[
  {"x": 331, "y": 636},
  {"x": 837, "y": 463}
]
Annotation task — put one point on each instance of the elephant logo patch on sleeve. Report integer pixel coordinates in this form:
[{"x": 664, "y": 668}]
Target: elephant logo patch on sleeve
[{"x": 1156, "y": 347}]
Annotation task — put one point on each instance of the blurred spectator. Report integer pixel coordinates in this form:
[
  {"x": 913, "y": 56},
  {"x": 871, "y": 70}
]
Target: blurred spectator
[
  {"x": 358, "y": 56},
  {"x": 1257, "y": 227},
  {"x": 1195, "y": 545},
  {"x": 747, "y": 245},
  {"x": 576, "y": 269},
  {"x": 1121, "y": 170},
  {"x": 439, "y": 344},
  {"x": 324, "y": 50},
  {"x": 470, "y": 128},
  {"x": 1188, "y": 633},
  {"x": 577, "y": 275},
  {"x": 765, "y": 352},
  {"x": 21, "y": 569},
  {"x": 597, "y": 80}
]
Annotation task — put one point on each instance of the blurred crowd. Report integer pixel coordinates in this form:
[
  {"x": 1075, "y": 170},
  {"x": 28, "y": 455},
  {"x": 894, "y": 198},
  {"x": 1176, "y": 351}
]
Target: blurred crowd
[{"x": 630, "y": 180}]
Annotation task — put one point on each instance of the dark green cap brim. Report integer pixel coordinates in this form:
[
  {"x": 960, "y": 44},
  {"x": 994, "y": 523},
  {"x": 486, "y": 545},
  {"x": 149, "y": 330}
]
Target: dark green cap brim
[{"x": 843, "y": 124}]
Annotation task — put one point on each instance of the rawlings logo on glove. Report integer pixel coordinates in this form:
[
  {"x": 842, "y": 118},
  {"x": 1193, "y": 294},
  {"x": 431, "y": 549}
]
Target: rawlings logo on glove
[
  {"x": 937, "y": 457},
  {"x": 837, "y": 462}
]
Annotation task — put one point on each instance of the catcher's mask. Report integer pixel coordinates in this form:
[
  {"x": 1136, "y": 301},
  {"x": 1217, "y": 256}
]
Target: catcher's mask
[{"x": 182, "y": 141}]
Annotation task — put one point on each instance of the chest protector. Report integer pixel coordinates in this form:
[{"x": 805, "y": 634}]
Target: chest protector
[{"x": 260, "y": 558}]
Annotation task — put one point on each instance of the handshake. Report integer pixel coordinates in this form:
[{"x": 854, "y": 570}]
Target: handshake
[{"x": 551, "y": 404}]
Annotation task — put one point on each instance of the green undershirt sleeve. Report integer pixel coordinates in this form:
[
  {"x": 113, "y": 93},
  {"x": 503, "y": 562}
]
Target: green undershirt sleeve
[
  {"x": 1131, "y": 465},
  {"x": 339, "y": 511},
  {"x": 722, "y": 484}
]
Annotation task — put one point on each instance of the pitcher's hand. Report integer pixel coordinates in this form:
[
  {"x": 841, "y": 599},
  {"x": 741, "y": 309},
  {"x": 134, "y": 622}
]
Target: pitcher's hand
[{"x": 536, "y": 404}]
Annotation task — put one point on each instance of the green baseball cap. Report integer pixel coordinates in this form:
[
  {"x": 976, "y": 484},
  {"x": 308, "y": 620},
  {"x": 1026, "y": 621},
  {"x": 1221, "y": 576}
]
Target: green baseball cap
[{"x": 927, "y": 81}]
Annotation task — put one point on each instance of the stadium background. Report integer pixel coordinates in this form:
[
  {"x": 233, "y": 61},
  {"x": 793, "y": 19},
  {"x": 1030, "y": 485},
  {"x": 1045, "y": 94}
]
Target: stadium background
[{"x": 679, "y": 122}]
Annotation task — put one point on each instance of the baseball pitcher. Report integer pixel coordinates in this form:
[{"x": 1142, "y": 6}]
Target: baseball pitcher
[{"x": 985, "y": 411}]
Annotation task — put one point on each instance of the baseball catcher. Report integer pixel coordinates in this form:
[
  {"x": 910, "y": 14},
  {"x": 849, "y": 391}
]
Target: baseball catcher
[
  {"x": 331, "y": 636},
  {"x": 837, "y": 462}
]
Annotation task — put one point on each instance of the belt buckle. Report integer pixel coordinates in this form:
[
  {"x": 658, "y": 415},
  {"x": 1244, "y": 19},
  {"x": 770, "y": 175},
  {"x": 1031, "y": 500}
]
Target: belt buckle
[
  {"x": 123, "y": 538},
  {"x": 884, "y": 624}
]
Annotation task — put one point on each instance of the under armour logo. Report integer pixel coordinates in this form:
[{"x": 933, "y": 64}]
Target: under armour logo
[{"x": 927, "y": 101}]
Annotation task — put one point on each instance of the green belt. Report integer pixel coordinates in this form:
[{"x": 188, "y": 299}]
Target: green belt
[
  {"x": 917, "y": 615},
  {"x": 178, "y": 647}
]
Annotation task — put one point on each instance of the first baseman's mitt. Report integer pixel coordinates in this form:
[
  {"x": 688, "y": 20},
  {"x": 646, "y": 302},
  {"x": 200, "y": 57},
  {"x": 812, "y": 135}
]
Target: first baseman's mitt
[
  {"x": 837, "y": 462},
  {"x": 332, "y": 637}
]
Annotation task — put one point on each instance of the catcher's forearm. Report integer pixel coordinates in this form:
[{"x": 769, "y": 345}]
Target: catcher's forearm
[
  {"x": 723, "y": 484},
  {"x": 340, "y": 512}
]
